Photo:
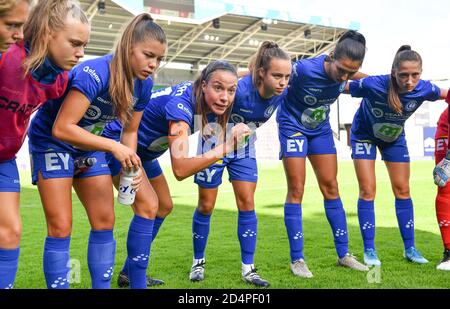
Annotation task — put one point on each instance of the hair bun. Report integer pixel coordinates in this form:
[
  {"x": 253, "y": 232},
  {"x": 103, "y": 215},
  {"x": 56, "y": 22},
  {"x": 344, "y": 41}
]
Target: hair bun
[
  {"x": 404, "y": 47},
  {"x": 353, "y": 35}
]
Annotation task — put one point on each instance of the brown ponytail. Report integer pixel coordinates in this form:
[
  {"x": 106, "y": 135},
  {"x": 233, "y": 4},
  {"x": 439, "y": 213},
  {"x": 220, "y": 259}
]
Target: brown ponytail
[
  {"x": 404, "y": 53},
  {"x": 266, "y": 52},
  {"x": 121, "y": 79}
]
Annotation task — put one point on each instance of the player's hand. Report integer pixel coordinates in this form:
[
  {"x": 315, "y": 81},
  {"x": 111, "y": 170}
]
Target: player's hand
[
  {"x": 441, "y": 172},
  {"x": 239, "y": 136},
  {"x": 126, "y": 156},
  {"x": 137, "y": 180}
]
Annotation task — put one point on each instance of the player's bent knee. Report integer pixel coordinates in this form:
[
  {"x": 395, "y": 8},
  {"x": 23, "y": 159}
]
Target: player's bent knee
[
  {"x": 147, "y": 208},
  {"x": 165, "y": 208}
]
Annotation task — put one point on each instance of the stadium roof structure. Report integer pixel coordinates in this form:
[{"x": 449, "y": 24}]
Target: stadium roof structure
[{"x": 219, "y": 35}]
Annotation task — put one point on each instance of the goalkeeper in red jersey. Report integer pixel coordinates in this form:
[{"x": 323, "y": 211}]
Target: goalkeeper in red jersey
[{"x": 441, "y": 175}]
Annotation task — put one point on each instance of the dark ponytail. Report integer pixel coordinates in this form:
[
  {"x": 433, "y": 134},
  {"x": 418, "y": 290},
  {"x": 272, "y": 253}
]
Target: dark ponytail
[
  {"x": 404, "y": 53},
  {"x": 351, "y": 45},
  {"x": 266, "y": 52}
]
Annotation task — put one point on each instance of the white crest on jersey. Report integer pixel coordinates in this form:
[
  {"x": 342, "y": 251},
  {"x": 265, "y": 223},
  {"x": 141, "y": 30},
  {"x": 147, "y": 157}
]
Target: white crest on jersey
[
  {"x": 410, "y": 106},
  {"x": 269, "y": 111}
]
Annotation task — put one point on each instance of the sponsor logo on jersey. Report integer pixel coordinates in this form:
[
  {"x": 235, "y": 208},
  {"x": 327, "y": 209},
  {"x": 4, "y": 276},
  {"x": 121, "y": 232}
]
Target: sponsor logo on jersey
[
  {"x": 312, "y": 117},
  {"x": 387, "y": 132},
  {"x": 310, "y": 100},
  {"x": 380, "y": 103},
  {"x": 183, "y": 108},
  {"x": 92, "y": 72},
  {"x": 441, "y": 144},
  {"x": 296, "y": 134},
  {"x": 96, "y": 128},
  {"x": 315, "y": 89},
  {"x": 377, "y": 112},
  {"x": 16, "y": 107},
  {"x": 237, "y": 118},
  {"x": 93, "y": 113},
  {"x": 100, "y": 99},
  {"x": 160, "y": 144},
  {"x": 160, "y": 93}
]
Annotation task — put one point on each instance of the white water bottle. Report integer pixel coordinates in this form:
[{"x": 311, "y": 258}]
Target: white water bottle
[{"x": 126, "y": 192}]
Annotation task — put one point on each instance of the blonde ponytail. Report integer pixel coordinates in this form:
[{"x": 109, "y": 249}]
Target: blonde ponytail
[{"x": 46, "y": 17}]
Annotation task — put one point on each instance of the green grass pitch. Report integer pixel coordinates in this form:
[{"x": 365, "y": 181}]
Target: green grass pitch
[{"x": 171, "y": 253}]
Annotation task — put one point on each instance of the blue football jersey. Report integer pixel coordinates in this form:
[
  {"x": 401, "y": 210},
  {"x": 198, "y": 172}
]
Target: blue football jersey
[
  {"x": 92, "y": 79},
  {"x": 168, "y": 104},
  {"x": 310, "y": 93},
  {"x": 374, "y": 118},
  {"x": 249, "y": 107}
]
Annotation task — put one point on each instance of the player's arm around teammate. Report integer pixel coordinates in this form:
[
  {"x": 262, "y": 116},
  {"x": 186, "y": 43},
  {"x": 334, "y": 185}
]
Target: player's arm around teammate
[
  {"x": 176, "y": 105},
  {"x": 32, "y": 71},
  {"x": 211, "y": 95},
  {"x": 214, "y": 92},
  {"x": 304, "y": 131},
  {"x": 388, "y": 101},
  {"x": 258, "y": 96}
]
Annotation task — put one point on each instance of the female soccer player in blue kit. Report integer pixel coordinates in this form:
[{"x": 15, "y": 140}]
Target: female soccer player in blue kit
[
  {"x": 388, "y": 101},
  {"x": 32, "y": 71},
  {"x": 258, "y": 96},
  {"x": 304, "y": 130},
  {"x": 99, "y": 91},
  {"x": 168, "y": 120}
]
